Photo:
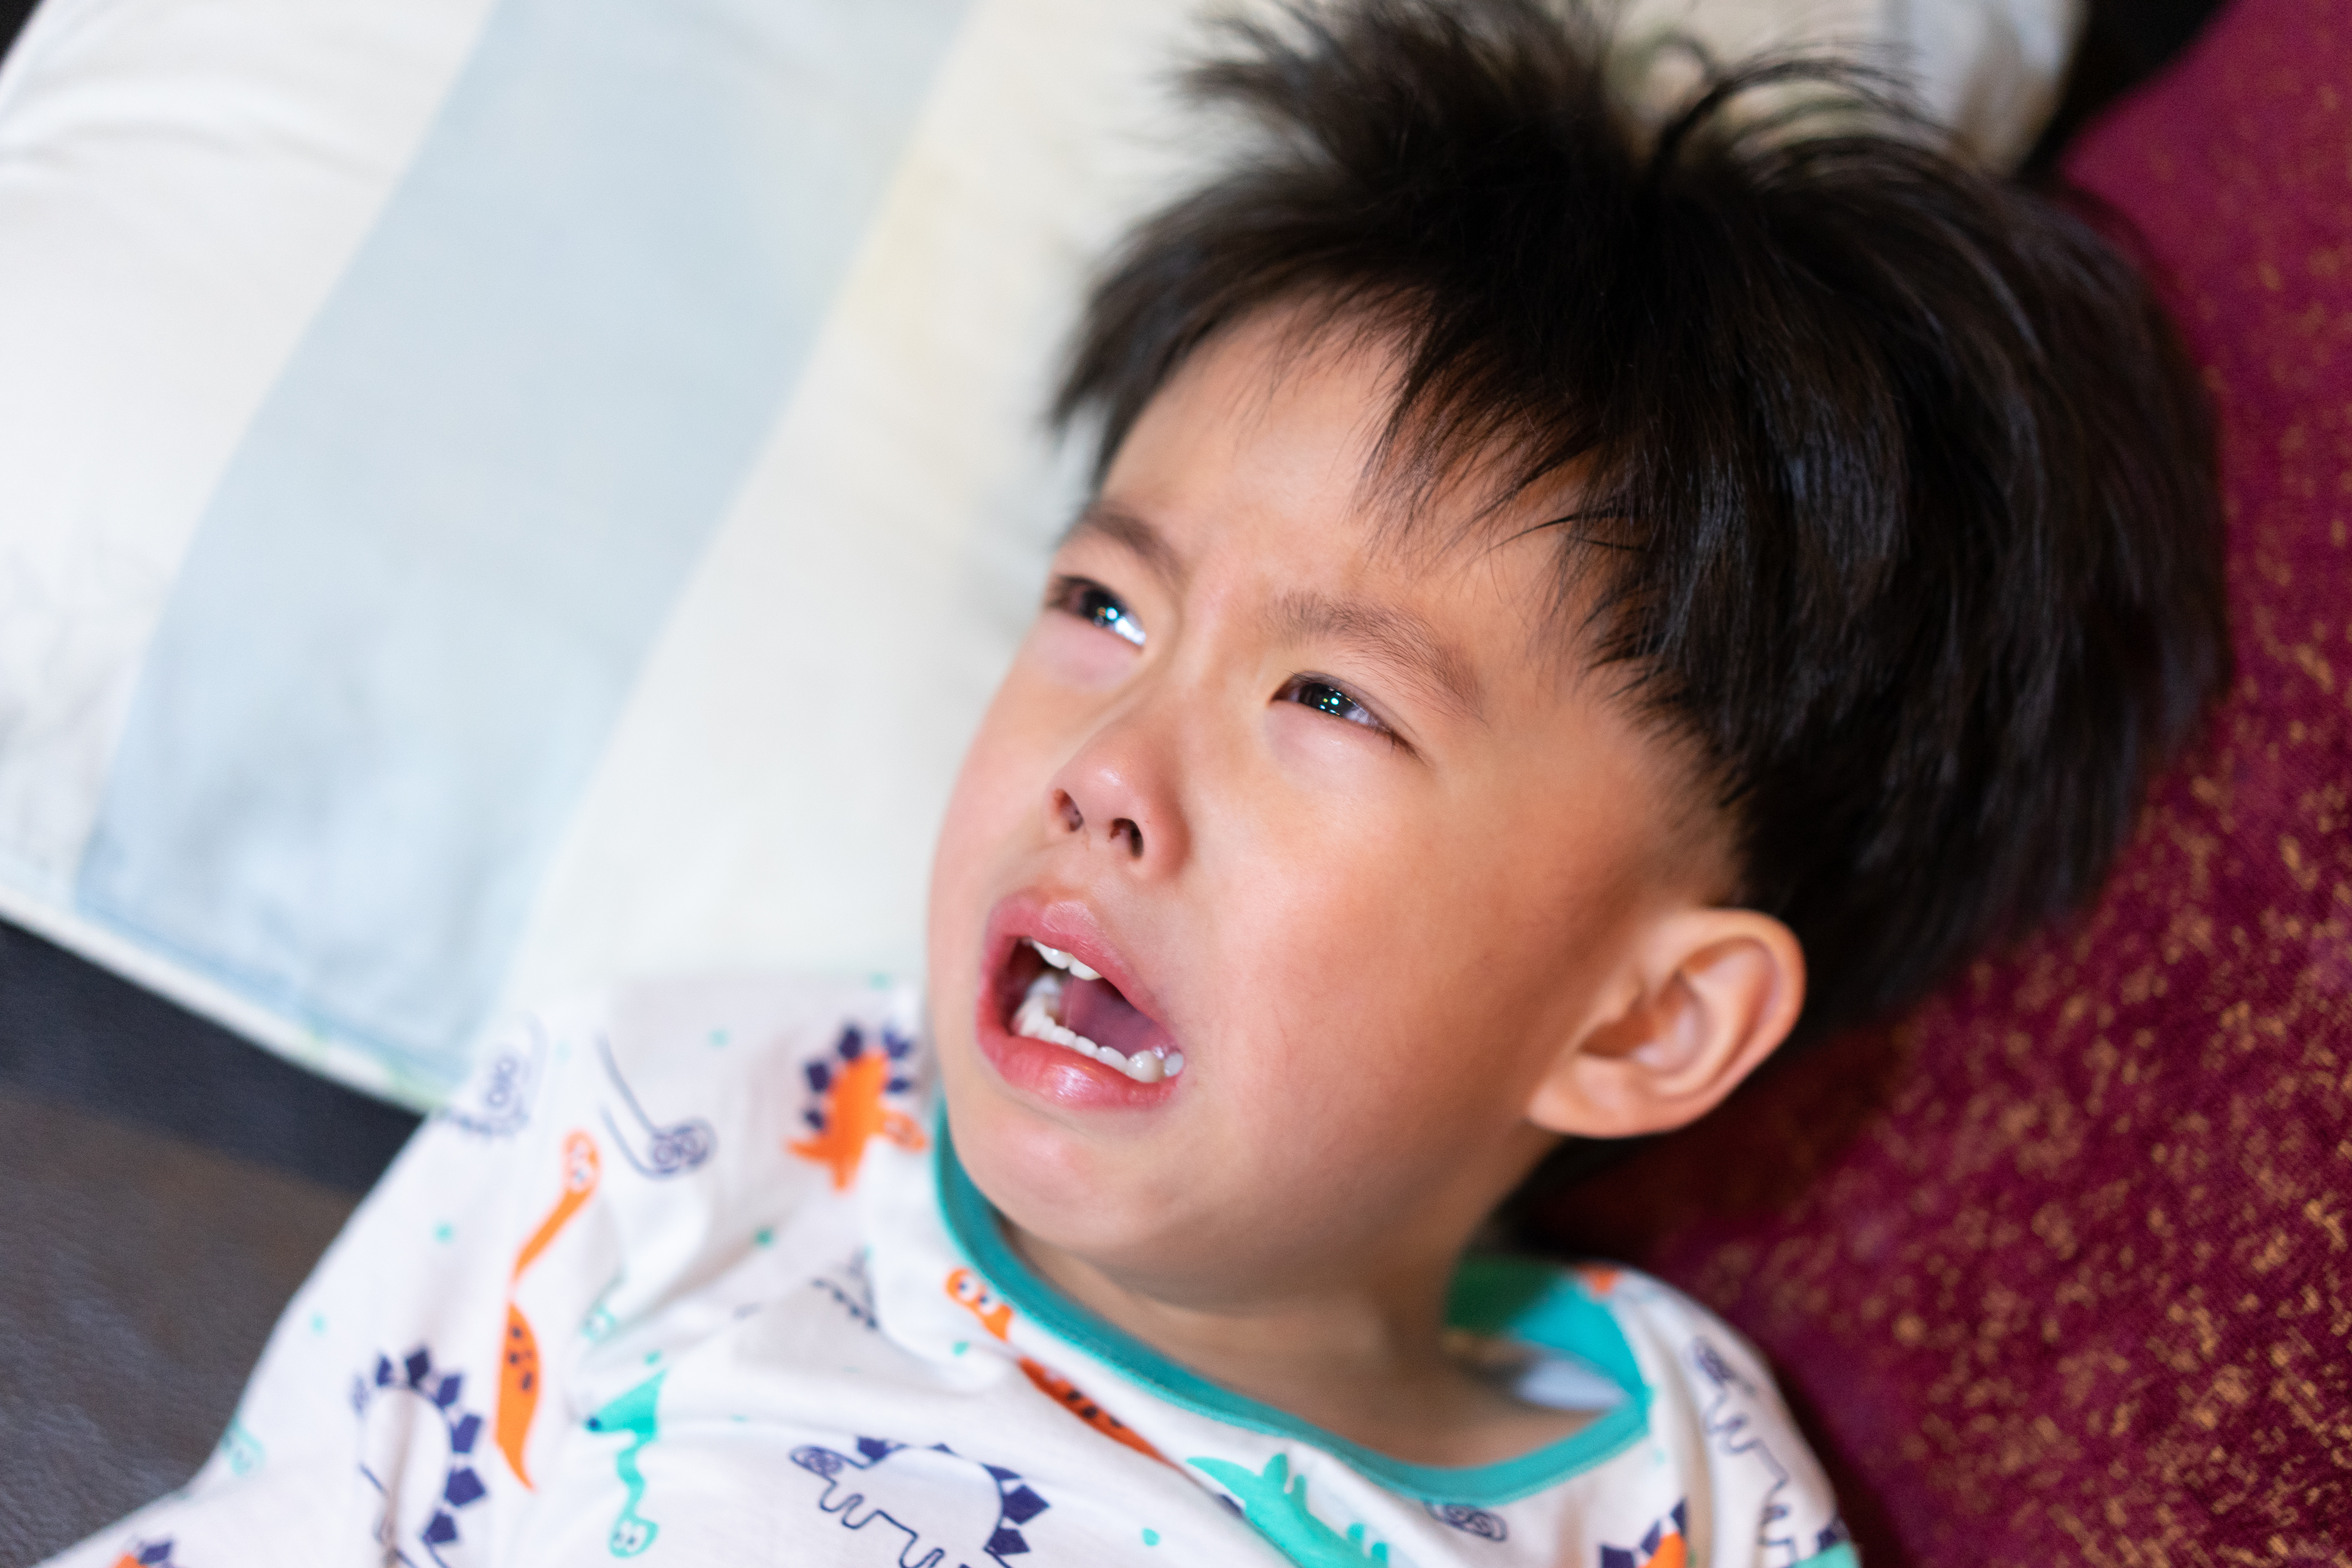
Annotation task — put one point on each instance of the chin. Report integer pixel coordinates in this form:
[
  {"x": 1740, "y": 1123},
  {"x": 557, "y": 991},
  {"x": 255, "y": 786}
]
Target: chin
[
  {"x": 1074, "y": 1191},
  {"x": 1043, "y": 1178}
]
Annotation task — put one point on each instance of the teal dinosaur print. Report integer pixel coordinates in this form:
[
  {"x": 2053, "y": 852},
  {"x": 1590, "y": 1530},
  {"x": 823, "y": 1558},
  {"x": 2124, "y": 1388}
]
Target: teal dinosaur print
[
  {"x": 241, "y": 1448},
  {"x": 632, "y": 1412},
  {"x": 1276, "y": 1506}
]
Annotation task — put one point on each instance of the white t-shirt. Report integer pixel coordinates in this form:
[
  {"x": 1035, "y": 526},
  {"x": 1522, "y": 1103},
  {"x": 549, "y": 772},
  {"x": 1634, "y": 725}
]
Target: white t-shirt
[{"x": 691, "y": 1273}]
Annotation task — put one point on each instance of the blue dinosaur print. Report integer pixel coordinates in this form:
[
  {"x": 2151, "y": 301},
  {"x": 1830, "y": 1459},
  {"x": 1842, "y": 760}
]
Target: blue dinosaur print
[
  {"x": 1732, "y": 1428},
  {"x": 634, "y": 1412},
  {"x": 384, "y": 1439},
  {"x": 1667, "y": 1544},
  {"x": 852, "y": 1287},
  {"x": 669, "y": 1150},
  {"x": 1470, "y": 1520},
  {"x": 496, "y": 1102},
  {"x": 1276, "y": 1506},
  {"x": 912, "y": 1490}
]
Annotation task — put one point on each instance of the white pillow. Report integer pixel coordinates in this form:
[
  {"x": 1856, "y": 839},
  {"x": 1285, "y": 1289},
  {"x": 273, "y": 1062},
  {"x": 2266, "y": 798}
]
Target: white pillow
[{"x": 499, "y": 494}]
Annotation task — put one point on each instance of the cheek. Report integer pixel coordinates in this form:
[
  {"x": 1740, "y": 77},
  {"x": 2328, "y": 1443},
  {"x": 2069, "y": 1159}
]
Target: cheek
[
  {"x": 1333, "y": 955},
  {"x": 1001, "y": 787},
  {"x": 996, "y": 793},
  {"x": 1408, "y": 971}
]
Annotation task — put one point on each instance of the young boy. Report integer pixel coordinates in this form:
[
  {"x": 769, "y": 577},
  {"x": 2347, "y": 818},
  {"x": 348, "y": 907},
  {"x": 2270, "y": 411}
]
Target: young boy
[{"x": 1567, "y": 608}]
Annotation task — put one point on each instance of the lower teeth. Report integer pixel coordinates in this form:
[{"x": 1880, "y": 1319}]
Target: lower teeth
[{"x": 1035, "y": 1018}]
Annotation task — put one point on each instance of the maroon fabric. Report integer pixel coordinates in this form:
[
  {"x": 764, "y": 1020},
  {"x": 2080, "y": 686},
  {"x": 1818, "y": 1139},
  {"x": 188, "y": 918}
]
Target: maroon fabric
[{"x": 2061, "y": 1269}]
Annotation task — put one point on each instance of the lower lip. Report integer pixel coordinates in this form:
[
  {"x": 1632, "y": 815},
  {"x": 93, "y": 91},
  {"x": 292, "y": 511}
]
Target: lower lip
[{"x": 1061, "y": 1077}]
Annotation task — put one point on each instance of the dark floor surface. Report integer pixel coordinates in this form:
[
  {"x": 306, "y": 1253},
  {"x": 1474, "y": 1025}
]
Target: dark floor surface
[
  {"x": 144, "y": 1274},
  {"x": 165, "y": 1186},
  {"x": 12, "y": 21}
]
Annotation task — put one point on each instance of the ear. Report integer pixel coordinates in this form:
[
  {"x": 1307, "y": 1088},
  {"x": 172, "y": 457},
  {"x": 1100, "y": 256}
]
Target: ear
[{"x": 1714, "y": 993}]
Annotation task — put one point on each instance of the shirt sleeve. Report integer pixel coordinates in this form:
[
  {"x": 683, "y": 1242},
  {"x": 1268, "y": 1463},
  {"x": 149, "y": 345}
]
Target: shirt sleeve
[
  {"x": 1765, "y": 1500},
  {"x": 601, "y": 1156},
  {"x": 406, "y": 1376}
]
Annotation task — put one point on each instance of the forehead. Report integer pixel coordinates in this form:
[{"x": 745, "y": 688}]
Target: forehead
[{"x": 1286, "y": 409}]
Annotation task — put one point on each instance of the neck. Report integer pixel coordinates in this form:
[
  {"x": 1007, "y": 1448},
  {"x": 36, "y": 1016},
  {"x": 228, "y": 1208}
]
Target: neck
[{"x": 1365, "y": 1359}]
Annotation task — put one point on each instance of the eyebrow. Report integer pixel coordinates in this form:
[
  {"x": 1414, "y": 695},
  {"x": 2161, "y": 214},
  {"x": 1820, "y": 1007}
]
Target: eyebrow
[
  {"x": 1136, "y": 535},
  {"x": 1396, "y": 639}
]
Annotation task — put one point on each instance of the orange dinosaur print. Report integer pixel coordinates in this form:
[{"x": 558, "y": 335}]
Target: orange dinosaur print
[
  {"x": 854, "y": 1117},
  {"x": 972, "y": 1293},
  {"x": 1664, "y": 1547},
  {"x": 1072, "y": 1398},
  {"x": 519, "y": 1366},
  {"x": 1599, "y": 1278}
]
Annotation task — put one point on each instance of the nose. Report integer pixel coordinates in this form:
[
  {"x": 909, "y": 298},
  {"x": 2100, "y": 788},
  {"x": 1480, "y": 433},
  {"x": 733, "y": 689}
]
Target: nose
[{"x": 1117, "y": 794}]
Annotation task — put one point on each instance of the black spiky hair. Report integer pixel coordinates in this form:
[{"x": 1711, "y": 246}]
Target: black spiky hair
[{"x": 1896, "y": 491}]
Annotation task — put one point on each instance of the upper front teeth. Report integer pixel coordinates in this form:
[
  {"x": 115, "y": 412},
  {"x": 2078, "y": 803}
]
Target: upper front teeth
[
  {"x": 1060, "y": 959},
  {"x": 1035, "y": 1018}
]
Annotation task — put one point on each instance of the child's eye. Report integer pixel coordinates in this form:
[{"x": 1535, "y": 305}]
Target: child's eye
[
  {"x": 1095, "y": 605},
  {"x": 1326, "y": 698}
]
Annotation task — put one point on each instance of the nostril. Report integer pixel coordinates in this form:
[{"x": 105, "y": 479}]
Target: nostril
[
  {"x": 1126, "y": 825},
  {"x": 1072, "y": 817}
]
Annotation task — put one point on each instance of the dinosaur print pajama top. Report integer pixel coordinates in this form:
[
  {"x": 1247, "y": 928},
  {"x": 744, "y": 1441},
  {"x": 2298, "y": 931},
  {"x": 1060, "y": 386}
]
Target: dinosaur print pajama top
[{"x": 690, "y": 1273}]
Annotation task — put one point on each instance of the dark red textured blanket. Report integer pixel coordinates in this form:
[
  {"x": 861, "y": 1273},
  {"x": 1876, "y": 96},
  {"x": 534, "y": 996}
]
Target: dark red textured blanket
[{"x": 2062, "y": 1269}]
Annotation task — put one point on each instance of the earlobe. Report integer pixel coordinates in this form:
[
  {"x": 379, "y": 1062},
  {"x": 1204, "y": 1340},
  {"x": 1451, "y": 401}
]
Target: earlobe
[{"x": 1717, "y": 991}]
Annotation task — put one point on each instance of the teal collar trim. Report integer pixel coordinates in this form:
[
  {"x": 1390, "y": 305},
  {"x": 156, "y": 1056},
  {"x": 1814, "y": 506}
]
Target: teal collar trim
[{"x": 1526, "y": 1300}]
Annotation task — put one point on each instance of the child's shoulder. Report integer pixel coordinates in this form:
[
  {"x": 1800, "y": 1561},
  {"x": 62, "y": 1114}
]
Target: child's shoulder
[
  {"x": 1685, "y": 1395},
  {"x": 657, "y": 1068},
  {"x": 714, "y": 1109}
]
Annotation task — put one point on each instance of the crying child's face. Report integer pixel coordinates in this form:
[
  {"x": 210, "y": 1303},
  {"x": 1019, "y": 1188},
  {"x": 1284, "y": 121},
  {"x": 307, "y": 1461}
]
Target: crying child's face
[{"x": 1329, "y": 860}]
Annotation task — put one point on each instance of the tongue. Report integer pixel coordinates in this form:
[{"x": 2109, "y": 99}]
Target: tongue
[{"x": 1096, "y": 1009}]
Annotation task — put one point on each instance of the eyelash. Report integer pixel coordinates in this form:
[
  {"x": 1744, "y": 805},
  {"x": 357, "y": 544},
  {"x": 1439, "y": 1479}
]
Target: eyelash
[
  {"x": 1090, "y": 602},
  {"x": 1097, "y": 605},
  {"x": 1324, "y": 697}
]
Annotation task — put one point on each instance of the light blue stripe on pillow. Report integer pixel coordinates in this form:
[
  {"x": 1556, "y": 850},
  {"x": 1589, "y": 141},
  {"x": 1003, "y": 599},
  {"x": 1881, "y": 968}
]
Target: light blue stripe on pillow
[{"x": 414, "y": 608}]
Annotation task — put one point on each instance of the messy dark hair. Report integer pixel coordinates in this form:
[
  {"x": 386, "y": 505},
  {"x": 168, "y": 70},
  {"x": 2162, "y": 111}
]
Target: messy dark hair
[{"x": 1897, "y": 493}]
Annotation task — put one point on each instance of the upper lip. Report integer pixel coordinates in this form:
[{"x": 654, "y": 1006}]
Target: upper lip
[{"x": 1064, "y": 922}]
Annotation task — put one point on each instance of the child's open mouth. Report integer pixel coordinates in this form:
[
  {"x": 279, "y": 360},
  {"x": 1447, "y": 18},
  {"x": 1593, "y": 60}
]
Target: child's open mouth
[
  {"x": 1064, "y": 1018},
  {"x": 1069, "y": 1005}
]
